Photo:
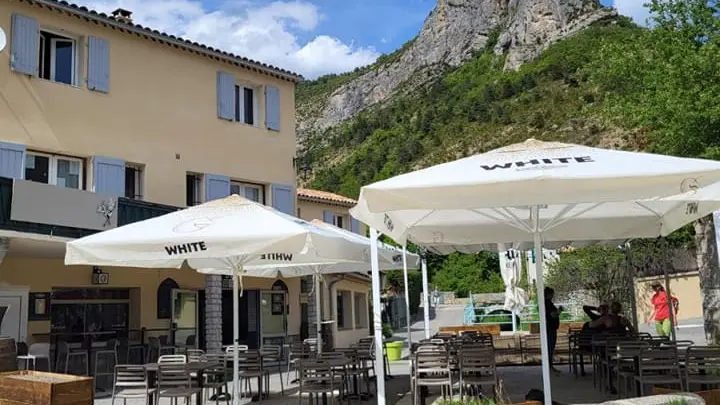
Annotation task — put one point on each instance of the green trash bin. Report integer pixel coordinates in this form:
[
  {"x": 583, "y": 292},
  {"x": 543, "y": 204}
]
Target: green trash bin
[{"x": 394, "y": 350}]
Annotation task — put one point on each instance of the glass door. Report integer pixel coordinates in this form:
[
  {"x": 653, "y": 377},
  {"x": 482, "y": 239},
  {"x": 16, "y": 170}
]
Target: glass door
[
  {"x": 273, "y": 317},
  {"x": 185, "y": 316}
]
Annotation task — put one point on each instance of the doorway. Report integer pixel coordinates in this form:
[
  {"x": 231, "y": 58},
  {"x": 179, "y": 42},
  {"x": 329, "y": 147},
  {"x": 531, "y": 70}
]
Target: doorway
[
  {"x": 14, "y": 323},
  {"x": 185, "y": 316}
]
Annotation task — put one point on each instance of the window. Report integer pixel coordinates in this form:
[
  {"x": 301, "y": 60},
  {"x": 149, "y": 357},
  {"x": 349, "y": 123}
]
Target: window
[
  {"x": 57, "y": 170},
  {"x": 245, "y": 105},
  {"x": 57, "y": 58},
  {"x": 193, "y": 189},
  {"x": 254, "y": 192},
  {"x": 133, "y": 182},
  {"x": 344, "y": 310},
  {"x": 339, "y": 221},
  {"x": 361, "y": 311}
]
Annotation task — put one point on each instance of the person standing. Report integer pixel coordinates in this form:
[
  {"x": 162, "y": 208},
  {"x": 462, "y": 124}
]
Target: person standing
[
  {"x": 661, "y": 301},
  {"x": 552, "y": 322}
]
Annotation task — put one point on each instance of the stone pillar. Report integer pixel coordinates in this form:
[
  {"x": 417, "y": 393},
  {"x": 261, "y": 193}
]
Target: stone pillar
[{"x": 213, "y": 313}]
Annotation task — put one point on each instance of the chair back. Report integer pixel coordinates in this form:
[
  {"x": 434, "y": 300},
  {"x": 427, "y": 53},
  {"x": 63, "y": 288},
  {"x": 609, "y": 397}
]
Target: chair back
[
  {"x": 21, "y": 349},
  {"x": 436, "y": 363},
  {"x": 172, "y": 359},
  {"x": 271, "y": 352},
  {"x": 40, "y": 349},
  {"x": 477, "y": 360},
  {"x": 317, "y": 374},
  {"x": 190, "y": 341},
  {"x": 250, "y": 361},
  {"x": 130, "y": 376},
  {"x": 112, "y": 344},
  {"x": 658, "y": 360},
  {"x": 218, "y": 371},
  {"x": 195, "y": 355},
  {"x": 173, "y": 375},
  {"x": 366, "y": 348},
  {"x": 702, "y": 360}
]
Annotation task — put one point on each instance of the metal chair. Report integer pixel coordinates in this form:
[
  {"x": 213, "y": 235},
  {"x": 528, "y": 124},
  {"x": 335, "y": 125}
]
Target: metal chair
[
  {"x": 702, "y": 364},
  {"x": 432, "y": 369},
  {"x": 105, "y": 362},
  {"x": 174, "y": 381},
  {"x": 297, "y": 352},
  {"x": 477, "y": 369},
  {"x": 173, "y": 359},
  {"x": 658, "y": 365},
  {"x": 251, "y": 367},
  {"x": 66, "y": 354},
  {"x": 195, "y": 355},
  {"x": 217, "y": 377},
  {"x": 131, "y": 382},
  {"x": 273, "y": 354},
  {"x": 316, "y": 378}
]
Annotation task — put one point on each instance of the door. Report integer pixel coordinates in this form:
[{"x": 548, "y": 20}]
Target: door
[
  {"x": 11, "y": 325},
  {"x": 273, "y": 317},
  {"x": 185, "y": 316}
]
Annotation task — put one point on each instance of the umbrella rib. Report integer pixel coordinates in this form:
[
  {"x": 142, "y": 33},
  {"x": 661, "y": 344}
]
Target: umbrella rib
[
  {"x": 514, "y": 220},
  {"x": 557, "y": 218}
]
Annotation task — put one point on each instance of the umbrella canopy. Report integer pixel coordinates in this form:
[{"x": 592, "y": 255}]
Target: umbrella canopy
[
  {"x": 560, "y": 224},
  {"x": 226, "y": 233},
  {"x": 538, "y": 173},
  {"x": 540, "y": 191}
]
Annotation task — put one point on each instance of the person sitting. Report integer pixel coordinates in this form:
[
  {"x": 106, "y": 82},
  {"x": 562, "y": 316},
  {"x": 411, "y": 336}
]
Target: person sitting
[
  {"x": 613, "y": 322},
  {"x": 595, "y": 312}
]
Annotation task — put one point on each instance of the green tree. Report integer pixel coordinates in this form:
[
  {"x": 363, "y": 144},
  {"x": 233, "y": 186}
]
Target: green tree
[
  {"x": 601, "y": 271},
  {"x": 395, "y": 284},
  {"x": 466, "y": 273},
  {"x": 666, "y": 84}
]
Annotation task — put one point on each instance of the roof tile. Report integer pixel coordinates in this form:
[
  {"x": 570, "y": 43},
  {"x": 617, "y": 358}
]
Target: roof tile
[{"x": 310, "y": 194}]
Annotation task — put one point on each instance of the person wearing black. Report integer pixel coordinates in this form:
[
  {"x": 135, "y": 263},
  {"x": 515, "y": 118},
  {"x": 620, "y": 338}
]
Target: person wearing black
[
  {"x": 552, "y": 322},
  {"x": 595, "y": 312}
]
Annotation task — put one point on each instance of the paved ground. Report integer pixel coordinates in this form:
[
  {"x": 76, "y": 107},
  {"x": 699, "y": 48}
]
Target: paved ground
[{"x": 690, "y": 329}]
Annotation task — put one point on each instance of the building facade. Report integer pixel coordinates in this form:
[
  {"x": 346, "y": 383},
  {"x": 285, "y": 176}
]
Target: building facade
[
  {"x": 344, "y": 297},
  {"x": 103, "y": 123}
]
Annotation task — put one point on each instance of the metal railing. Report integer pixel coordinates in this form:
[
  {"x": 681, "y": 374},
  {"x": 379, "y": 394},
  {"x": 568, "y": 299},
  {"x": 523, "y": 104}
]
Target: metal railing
[{"x": 496, "y": 315}]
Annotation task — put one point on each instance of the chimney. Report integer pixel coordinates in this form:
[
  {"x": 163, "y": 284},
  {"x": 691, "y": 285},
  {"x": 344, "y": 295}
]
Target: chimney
[{"x": 123, "y": 15}]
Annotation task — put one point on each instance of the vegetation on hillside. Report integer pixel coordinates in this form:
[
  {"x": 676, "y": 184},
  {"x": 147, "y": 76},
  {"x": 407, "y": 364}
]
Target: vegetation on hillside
[{"x": 473, "y": 108}]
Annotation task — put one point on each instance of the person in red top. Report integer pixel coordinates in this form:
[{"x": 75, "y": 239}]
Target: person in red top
[{"x": 661, "y": 311}]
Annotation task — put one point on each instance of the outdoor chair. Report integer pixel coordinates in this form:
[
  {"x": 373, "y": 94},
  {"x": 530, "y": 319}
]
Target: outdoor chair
[
  {"x": 317, "y": 378},
  {"x": 251, "y": 367},
  {"x": 702, "y": 366},
  {"x": 366, "y": 352},
  {"x": 432, "y": 369},
  {"x": 131, "y": 382},
  {"x": 105, "y": 361},
  {"x": 355, "y": 371},
  {"x": 658, "y": 366},
  {"x": 174, "y": 381},
  {"x": 626, "y": 356},
  {"x": 36, "y": 351},
  {"x": 157, "y": 349},
  {"x": 66, "y": 355},
  {"x": 217, "y": 377},
  {"x": 477, "y": 370},
  {"x": 297, "y": 352},
  {"x": 272, "y": 356},
  {"x": 195, "y": 355}
]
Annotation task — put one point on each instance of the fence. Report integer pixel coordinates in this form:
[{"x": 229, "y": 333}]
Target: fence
[{"x": 497, "y": 315}]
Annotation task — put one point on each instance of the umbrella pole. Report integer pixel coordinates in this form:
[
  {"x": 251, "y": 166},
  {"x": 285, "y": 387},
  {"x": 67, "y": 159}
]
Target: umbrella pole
[
  {"x": 236, "y": 337},
  {"x": 426, "y": 297},
  {"x": 318, "y": 313},
  {"x": 545, "y": 356},
  {"x": 671, "y": 307},
  {"x": 407, "y": 297},
  {"x": 377, "y": 318}
]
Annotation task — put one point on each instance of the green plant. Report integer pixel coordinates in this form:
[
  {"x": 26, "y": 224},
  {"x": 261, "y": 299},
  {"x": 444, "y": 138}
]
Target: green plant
[{"x": 387, "y": 330}]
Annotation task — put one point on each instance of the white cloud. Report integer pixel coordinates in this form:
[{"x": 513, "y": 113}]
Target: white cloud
[
  {"x": 267, "y": 33},
  {"x": 634, "y": 9}
]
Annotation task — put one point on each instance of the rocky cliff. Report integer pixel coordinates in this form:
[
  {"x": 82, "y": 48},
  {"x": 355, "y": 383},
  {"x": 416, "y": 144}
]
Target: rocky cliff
[{"x": 453, "y": 31}]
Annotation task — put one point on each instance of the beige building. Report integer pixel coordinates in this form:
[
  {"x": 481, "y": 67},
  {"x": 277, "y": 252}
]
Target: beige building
[
  {"x": 103, "y": 123},
  {"x": 344, "y": 296}
]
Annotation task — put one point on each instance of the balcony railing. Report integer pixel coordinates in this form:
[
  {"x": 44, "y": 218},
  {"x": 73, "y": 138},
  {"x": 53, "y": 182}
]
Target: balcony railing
[{"x": 128, "y": 211}]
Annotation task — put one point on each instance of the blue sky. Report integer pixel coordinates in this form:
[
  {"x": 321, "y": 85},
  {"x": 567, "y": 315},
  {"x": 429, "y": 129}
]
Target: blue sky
[{"x": 311, "y": 37}]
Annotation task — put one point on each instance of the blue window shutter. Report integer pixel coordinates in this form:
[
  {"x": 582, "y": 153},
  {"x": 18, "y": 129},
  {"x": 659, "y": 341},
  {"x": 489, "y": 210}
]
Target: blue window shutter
[
  {"x": 25, "y": 45},
  {"x": 283, "y": 198},
  {"x": 355, "y": 225},
  {"x": 225, "y": 96},
  {"x": 328, "y": 217},
  {"x": 109, "y": 176},
  {"x": 98, "y": 65},
  {"x": 216, "y": 186},
  {"x": 272, "y": 108},
  {"x": 12, "y": 160}
]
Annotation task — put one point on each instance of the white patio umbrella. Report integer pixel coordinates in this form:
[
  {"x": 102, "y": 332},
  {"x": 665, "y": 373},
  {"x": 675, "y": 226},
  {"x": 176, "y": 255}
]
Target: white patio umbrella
[
  {"x": 226, "y": 234},
  {"x": 511, "y": 269},
  {"x": 535, "y": 191},
  {"x": 388, "y": 254},
  {"x": 301, "y": 265}
]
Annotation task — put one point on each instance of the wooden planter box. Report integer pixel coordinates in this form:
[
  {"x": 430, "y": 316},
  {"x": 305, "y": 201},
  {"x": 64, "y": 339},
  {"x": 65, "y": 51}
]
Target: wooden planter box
[
  {"x": 489, "y": 328},
  {"x": 38, "y": 388},
  {"x": 711, "y": 397},
  {"x": 564, "y": 327}
]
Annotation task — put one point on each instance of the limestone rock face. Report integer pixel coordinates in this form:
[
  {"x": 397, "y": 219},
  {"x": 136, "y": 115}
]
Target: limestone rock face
[{"x": 453, "y": 31}]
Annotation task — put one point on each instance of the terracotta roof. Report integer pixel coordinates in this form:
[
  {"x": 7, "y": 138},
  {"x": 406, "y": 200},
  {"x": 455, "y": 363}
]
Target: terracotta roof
[
  {"x": 324, "y": 196},
  {"x": 170, "y": 40}
]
